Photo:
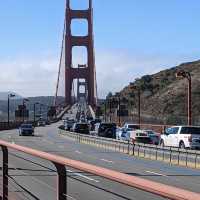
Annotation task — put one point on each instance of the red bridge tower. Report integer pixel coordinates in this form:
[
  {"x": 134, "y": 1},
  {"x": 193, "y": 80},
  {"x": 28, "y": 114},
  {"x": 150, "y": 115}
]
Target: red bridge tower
[{"x": 87, "y": 71}]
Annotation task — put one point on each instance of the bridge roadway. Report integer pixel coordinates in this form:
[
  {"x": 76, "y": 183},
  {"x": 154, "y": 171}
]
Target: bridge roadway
[{"x": 40, "y": 182}]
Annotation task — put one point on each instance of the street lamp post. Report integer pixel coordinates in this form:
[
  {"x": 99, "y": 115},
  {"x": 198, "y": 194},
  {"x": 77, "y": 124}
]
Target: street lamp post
[
  {"x": 133, "y": 86},
  {"x": 139, "y": 106},
  {"x": 110, "y": 109},
  {"x": 24, "y": 101},
  {"x": 105, "y": 112},
  {"x": 37, "y": 103},
  {"x": 119, "y": 101},
  {"x": 9, "y": 96},
  {"x": 119, "y": 108},
  {"x": 187, "y": 75},
  {"x": 40, "y": 110}
]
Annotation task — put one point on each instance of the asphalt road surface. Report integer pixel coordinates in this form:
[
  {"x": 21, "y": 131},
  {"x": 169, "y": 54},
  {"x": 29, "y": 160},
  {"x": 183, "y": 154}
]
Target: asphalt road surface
[{"x": 32, "y": 181}]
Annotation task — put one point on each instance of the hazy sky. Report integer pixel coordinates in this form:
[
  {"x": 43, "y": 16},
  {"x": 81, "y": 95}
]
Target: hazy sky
[{"x": 131, "y": 39}]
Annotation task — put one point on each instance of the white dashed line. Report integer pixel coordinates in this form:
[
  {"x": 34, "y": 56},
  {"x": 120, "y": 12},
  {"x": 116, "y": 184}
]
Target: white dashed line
[
  {"x": 78, "y": 152},
  {"x": 108, "y": 161},
  {"x": 82, "y": 176},
  {"x": 155, "y": 173}
]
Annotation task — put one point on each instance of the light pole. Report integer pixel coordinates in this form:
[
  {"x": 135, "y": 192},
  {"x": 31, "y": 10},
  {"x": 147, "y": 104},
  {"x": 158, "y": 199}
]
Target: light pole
[
  {"x": 110, "y": 109},
  {"x": 119, "y": 110},
  {"x": 187, "y": 75},
  {"x": 133, "y": 86},
  {"x": 105, "y": 111},
  {"x": 37, "y": 103},
  {"x": 46, "y": 109},
  {"x": 9, "y": 96},
  {"x": 24, "y": 101},
  {"x": 40, "y": 111}
]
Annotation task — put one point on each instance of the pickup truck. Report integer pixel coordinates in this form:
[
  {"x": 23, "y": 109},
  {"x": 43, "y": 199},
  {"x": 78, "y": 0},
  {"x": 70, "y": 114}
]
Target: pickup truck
[{"x": 181, "y": 137}]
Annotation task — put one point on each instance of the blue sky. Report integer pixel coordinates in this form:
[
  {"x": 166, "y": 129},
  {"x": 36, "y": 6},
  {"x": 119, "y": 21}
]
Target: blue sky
[{"x": 131, "y": 39}]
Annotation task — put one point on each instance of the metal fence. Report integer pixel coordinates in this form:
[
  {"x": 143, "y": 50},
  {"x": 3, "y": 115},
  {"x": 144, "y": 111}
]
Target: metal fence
[
  {"x": 63, "y": 166},
  {"x": 177, "y": 156}
]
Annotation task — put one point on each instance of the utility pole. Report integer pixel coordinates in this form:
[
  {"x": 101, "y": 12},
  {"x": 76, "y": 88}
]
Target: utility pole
[
  {"x": 187, "y": 75},
  {"x": 9, "y": 96}
]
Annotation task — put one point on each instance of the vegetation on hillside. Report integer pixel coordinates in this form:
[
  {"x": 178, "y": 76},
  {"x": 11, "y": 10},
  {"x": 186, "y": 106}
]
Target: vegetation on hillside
[{"x": 164, "y": 97}]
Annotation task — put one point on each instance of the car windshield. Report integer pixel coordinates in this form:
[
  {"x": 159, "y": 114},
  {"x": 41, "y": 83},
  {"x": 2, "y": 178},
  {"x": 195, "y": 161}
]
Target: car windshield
[
  {"x": 151, "y": 133},
  {"x": 105, "y": 126},
  {"x": 26, "y": 126},
  {"x": 190, "y": 130}
]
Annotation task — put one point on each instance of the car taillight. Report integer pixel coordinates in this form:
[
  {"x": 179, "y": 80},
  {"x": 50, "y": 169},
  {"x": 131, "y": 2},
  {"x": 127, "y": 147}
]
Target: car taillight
[{"x": 190, "y": 139}]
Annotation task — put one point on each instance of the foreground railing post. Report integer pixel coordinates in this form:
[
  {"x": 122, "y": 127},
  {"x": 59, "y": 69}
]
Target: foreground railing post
[
  {"x": 62, "y": 182},
  {"x": 5, "y": 172}
]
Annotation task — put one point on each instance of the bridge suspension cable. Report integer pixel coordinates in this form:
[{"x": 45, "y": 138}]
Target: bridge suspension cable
[{"x": 60, "y": 65}]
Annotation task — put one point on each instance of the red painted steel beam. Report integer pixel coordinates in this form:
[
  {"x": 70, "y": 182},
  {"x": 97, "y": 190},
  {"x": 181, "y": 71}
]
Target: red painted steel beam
[{"x": 159, "y": 189}]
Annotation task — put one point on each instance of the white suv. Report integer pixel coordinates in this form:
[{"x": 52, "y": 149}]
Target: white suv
[
  {"x": 182, "y": 137},
  {"x": 131, "y": 126}
]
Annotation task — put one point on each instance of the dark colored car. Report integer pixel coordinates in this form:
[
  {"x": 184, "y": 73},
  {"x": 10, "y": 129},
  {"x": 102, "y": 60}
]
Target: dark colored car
[
  {"x": 26, "y": 129},
  {"x": 82, "y": 128},
  {"x": 107, "y": 130},
  {"x": 69, "y": 124},
  {"x": 48, "y": 122},
  {"x": 93, "y": 122},
  {"x": 41, "y": 123}
]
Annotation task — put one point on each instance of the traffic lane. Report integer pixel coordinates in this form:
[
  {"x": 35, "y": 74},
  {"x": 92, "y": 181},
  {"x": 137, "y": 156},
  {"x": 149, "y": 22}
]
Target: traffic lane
[
  {"x": 145, "y": 168},
  {"x": 152, "y": 170},
  {"x": 34, "y": 181},
  {"x": 124, "y": 193},
  {"x": 31, "y": 178},
  {"x": 148, "y": 169},
  {"x": 40, "y": 182}
]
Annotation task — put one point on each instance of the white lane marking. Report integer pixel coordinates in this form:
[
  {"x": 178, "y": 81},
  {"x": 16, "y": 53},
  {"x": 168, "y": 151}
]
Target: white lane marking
[
  {"x": 150, "y": 172},
  {"x": 78, "y": 152},
  {"x": 108, "y": 161},
  {"x": 70, "y": 197},
  {"x": 62, "y": 147},
  {"x": 83, "y": 176},
  {"x": 44, "y": 140}
]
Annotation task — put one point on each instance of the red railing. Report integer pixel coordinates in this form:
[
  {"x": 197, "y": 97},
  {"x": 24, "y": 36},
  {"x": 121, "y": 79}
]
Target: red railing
[{"x": 61, "y": 162}]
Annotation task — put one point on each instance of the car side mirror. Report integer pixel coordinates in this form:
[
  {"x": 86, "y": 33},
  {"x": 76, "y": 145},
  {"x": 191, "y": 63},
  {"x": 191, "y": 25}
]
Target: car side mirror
[{"x": 165, "y": 133}]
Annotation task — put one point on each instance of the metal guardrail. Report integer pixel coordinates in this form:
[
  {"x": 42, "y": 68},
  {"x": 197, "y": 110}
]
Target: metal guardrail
[
  {"x": 172, "y": 155},
  {"x": 92, "y": 113},
  {"x": 60, "y": 163}
]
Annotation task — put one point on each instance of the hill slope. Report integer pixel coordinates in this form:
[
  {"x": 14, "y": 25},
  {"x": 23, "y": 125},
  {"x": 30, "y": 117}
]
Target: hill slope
[{"x": 164, "y": 97}]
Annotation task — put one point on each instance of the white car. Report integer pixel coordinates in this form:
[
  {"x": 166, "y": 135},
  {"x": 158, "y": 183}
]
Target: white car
[
  {"x": 131, "y": 126},
  {"x": 181, "y": 137},
  {"x": 123, "y": 134}
]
